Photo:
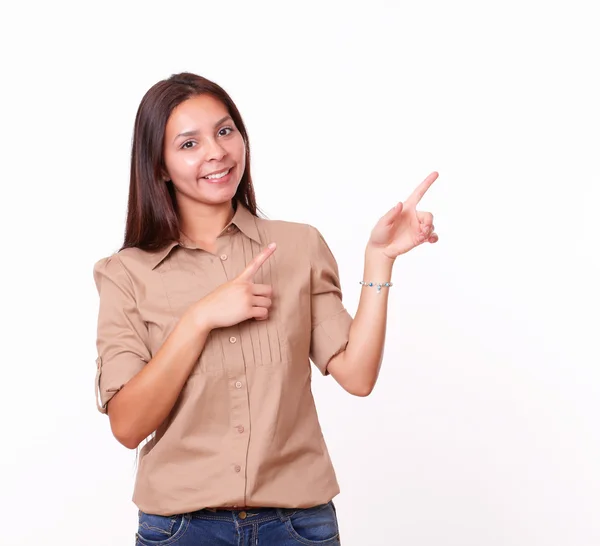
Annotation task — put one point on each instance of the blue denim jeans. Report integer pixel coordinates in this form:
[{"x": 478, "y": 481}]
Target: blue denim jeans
[{"x": 260, "y": 527}]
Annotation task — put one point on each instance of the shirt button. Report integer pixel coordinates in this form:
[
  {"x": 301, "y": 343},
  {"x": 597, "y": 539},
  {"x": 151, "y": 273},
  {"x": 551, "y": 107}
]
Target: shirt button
[
  {"x": 238, "y": 385},
  {"x": 238, "y": 468},
  {"x": 232, "y": 339},
  {"x": 240, "y": 429},
  {"x": 223, "y": 257}
]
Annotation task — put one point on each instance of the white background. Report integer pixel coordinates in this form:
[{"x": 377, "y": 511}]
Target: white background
[{"x": 482, "y": 429}]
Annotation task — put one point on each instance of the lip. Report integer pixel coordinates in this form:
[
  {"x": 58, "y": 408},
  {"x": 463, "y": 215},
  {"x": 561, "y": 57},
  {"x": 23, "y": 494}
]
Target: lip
[
  {"x": 218, "y": 172},
  {"x": 220, "y": 181}
]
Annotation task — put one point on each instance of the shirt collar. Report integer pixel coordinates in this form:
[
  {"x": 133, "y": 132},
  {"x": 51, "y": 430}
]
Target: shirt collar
[
  {"x": 243, "y": 219},
  {"x": 246, "y": 223}
]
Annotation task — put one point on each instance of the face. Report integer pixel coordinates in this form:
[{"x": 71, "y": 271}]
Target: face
[{"x": 202, "y": 140}]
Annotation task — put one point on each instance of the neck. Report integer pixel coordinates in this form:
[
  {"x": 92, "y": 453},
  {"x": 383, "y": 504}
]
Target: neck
[{"x": 202, "y": 223}]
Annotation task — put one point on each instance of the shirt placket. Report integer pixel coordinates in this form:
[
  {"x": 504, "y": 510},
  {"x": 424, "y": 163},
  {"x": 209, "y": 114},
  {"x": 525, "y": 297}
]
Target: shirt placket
[{"x": 236, "y": 376}]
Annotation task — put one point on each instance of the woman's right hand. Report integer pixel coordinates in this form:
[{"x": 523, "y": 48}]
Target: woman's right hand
[{"x": 237, "y": 300}]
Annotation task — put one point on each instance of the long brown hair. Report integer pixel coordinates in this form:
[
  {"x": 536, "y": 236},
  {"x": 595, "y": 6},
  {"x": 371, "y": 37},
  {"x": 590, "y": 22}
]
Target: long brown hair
[{"x": 152, "y": 216}]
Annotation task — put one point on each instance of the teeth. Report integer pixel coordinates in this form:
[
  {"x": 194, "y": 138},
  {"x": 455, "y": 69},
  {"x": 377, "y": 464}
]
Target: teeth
[{"x": 214, "y": 176}]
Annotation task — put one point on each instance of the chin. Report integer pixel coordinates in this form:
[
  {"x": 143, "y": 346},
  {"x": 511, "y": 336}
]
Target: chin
[{"x": 219, "y": 197}]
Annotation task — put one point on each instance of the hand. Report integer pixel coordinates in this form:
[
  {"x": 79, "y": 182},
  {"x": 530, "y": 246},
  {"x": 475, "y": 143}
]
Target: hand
[
  {"x": 404, "y": 227},
  {"x": 237, "y": 300}
]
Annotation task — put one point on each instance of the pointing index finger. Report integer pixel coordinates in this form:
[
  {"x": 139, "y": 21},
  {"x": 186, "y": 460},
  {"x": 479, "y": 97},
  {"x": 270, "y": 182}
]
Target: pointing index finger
[
  {"x": 422, "y": 188},
  {"x": 256, "y": 263}
]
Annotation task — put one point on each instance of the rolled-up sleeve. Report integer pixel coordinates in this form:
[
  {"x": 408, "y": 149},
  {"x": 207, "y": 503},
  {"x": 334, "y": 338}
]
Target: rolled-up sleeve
[
  {"x": 122, "y": 335},
  {"x": 330, "y": 320}
]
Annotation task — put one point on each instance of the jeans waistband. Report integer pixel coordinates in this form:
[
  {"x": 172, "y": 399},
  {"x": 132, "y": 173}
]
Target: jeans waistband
[{"x": 247, "y": 516}]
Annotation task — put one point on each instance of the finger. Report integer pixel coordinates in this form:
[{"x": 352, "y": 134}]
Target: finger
[
  {"x": 259, "y": 313},
  {"x": 256, "y": 263},
  {"x": 389, "y": 217},
  {"x": 261, "y": 301},
  {"x": 425, "y": 233},
  {"x": 434, "y": 238},
  {"x": 422, "y": 188},
  {"x": 262, "y": 290},
  {"x": 426, "y": 229},
  {"x": 425, "y": 217}
]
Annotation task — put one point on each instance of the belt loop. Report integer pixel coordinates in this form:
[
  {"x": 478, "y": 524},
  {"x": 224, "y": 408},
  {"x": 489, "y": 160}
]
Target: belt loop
[{"x": 282, "y": 515}]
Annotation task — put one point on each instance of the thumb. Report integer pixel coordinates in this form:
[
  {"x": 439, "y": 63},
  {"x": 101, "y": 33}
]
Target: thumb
[
  {"x": 392, "y": 214},
  {"x": 256, "y": 263}
]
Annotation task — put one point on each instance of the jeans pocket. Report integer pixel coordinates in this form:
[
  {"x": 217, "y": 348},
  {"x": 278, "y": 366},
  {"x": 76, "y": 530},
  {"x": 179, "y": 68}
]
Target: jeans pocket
[
  {"x": 154, "y": 530},
  {"x": 316, "y": 525}
]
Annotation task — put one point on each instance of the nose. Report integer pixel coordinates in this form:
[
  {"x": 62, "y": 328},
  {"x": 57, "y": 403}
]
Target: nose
[{"x": 214, "y": 150}]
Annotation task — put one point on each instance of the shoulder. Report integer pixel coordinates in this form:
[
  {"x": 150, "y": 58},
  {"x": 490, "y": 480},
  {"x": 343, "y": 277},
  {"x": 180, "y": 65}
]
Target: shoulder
[
  {"x": 296, "y": 231},
  {"x": 139, "y": 263},
  {"x": 129, "y": 259},
  {"x": 122, "y": 267},
  {"x": 109, "y": 268},
  {"x": 303, "y": 240}
]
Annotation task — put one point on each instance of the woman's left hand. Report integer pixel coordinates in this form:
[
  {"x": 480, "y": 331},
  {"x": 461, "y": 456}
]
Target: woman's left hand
[{"x": 404, "y": 227}]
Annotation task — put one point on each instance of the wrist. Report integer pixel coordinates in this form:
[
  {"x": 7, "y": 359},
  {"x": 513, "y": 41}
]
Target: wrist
[
  {"x": 196, "y": 316},
  {"x": 376, "y": 256},
  {"x": 378, "y": 268}
]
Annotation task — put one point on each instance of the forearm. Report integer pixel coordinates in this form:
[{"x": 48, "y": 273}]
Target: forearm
[
  {"x": 140, "y": 407},
  {"x": 360, "y": 363}
]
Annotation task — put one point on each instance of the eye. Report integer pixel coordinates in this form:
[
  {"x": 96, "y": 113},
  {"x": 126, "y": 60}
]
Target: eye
[
  {"x": 230, "y": 129},
  {"x": 185, "y": 146}
]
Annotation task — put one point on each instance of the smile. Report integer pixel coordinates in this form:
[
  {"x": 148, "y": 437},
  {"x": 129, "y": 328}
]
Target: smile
[{"x": 216, "y": 176}]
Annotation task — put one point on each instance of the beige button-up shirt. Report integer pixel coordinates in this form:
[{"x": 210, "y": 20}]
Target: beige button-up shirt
[{"x": 244, "y": 431}]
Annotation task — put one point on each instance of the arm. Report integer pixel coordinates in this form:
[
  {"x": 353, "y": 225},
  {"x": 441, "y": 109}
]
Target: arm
[
  {"x": 146, "y": 400},
  {"x": 400, "y": 230},
  {"x": 138, "y": 390},
  {"x": 357, "y": 367}
]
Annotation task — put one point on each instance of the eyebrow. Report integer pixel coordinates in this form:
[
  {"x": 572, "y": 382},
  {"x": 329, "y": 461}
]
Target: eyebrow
[{"x": 195, "y": 131}]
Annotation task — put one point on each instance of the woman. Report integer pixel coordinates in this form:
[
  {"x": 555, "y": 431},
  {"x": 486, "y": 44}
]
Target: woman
[{"x": 208, "y": 317}]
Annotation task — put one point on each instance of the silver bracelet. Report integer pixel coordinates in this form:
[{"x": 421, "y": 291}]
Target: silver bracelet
[{"x": 377, "y": 284}]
